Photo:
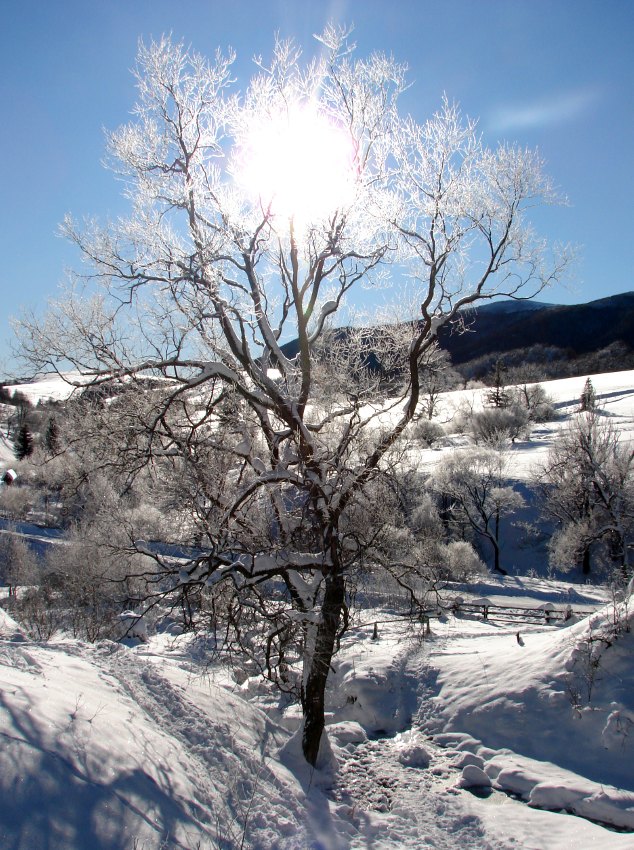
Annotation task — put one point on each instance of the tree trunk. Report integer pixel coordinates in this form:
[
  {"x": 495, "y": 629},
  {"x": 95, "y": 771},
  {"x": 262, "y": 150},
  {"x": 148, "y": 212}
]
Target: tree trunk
[
  {"x": 495, "y": 542},
  {"x": 315, "y": 689},
  {"x": 496, "y": 560},
  {"x": 585, "y": 562}
]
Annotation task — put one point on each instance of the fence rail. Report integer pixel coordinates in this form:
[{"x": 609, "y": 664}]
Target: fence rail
[{"x": 547, "y": 613}]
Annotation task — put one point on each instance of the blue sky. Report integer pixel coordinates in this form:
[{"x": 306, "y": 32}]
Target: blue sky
[{"x": 553, "y": 74}]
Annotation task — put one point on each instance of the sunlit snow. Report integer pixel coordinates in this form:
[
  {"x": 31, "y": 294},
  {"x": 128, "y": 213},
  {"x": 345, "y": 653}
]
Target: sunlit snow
[{"x": 472, "y": 736}]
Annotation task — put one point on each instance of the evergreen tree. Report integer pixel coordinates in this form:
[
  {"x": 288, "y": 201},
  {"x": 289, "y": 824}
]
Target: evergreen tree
[
  {"x": 51, "y": 437},
  {"x": 588, "y": 398},
  {"x": 498, "y": 397},
  {"x": 23, "y": 445}
]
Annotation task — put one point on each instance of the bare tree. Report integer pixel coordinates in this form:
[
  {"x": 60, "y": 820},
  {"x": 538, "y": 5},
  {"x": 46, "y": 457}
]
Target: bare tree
[
  {"x": 588, "y": 486},
  {"x": 477, "y": 494},
  {"x": 436, "y": 376},
  {"x": 535, "y": 401},
  {"x": 254, "y": 219}
]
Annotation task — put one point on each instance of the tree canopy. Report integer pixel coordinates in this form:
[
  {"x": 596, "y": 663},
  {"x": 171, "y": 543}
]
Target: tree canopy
[{"x": 255, "y": 217}]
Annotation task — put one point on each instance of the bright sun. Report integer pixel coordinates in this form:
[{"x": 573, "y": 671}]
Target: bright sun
[{"x": 299, "y": 165}]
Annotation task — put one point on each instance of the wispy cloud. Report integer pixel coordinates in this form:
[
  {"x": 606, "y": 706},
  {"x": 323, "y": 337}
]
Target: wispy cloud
[{"x": 546, "y": 112}]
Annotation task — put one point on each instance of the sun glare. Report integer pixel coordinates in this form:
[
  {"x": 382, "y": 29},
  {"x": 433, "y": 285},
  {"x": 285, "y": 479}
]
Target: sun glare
[{"x": 299, "y": 165}]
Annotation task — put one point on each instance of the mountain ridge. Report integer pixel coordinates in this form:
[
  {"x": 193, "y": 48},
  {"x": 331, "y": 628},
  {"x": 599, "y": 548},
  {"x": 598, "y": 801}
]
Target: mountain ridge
[
  {"x": 569, "y": 332},
  {"x": 577, "y": 328}
]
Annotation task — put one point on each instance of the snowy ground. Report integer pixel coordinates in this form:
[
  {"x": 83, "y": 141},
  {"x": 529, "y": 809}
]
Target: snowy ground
[
  {"x": 615, "y": 400},
  {"x": 110, "y": 746},
  {"x": 484, "y": 734},
  {"x": 51, "y": 387},
  {"x": 614, "y": 394},
  {"x": 501, "y": 717}
]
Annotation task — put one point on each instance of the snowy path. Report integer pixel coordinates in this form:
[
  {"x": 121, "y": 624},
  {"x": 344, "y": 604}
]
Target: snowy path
[
  {"x": 405, "y": 790},
  {"x": 397, "y": 805},
  {"x": 394, "y": 805},
  {"x": 108, "y": 748},
  {"x": 399, "y": 790}
]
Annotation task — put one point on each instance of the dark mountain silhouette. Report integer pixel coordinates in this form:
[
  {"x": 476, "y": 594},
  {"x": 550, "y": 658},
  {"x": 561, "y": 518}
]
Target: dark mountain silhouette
[
  {"x": 562, "y": 333},
  {"x": 578, "y": 329}
]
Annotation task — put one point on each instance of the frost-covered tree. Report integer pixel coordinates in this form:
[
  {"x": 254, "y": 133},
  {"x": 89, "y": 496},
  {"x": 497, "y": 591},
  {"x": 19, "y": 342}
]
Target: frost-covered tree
[
  {"x": 436, "y": 376},
  {"x": 535, "y": 401},
  {"x": 254, "y": 218},
  {"x": 476, "y": 494},
  {"x": 588, "y": 486}
]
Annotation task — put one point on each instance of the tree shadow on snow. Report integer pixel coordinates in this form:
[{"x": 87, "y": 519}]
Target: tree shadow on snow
[{"x": 47, "y": 801}]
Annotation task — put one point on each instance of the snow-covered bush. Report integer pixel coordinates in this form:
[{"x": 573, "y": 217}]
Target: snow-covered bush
[
  {"x": 38, "y": 612},
  {"x": 566, "y": 546},
  {"x": 463, "y": 562},
  {"x": 79, "y": 587},
  {"x": 423, "y": 517},
  {"x": 534, "y": 400},
  {"x": 18, "y": 564},
  {"x": 16, "y": 501},
  {"x": 427, "y": 431},
  {"x": 498, "y": 425},
  {"x": 587, "y": 663}
]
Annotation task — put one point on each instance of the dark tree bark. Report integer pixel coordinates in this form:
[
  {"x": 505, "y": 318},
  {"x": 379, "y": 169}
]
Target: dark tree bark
[{"x": 315, "y": 689}]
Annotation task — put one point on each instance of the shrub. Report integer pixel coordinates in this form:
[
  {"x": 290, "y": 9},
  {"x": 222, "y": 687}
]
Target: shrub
[
  {"x": 82, "y": 588},
  {"x": 38, "y": 612},
  {"x": 494, "y": 426},
  {"x": 533, "y": 399},
  {"x": 18, "y": 563},
  {"x": 17, "y": 501},
  {"x": 463, "y": 562},
  {"x": 427, "y": 431}
]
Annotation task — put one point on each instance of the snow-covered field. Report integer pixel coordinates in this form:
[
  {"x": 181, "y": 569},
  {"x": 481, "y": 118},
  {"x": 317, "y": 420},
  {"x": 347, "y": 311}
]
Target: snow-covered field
[
  {"x": 615, "y": 399},
  {"x": 51, "y": 387},
  {"x": 483, "y": 734}
]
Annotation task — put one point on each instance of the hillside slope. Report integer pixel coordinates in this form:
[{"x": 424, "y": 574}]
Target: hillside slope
[
  {"x": 505, "y": 326},
  {"x": 580, "y": 328}
]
